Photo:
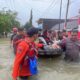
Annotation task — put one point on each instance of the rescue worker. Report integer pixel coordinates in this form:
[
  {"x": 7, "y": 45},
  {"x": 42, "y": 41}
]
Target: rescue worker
[
  {"x": 47, "y": 37},
  {"x": 18, "y": 37},
  {"x": 71, "y": 46},
  {"x": 25, "y": 50},
  {"x": 59, "y": 33},
  {"x": 64, "y": 34}
]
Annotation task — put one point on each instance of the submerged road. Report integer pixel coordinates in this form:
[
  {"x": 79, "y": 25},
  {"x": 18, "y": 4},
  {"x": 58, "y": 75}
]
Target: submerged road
[{"x": 49, "y": 68}]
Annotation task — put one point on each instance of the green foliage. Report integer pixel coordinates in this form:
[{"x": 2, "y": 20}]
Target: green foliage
[
  {"x": 27, "y": 25},
  {"x": 8, "y": 21}
]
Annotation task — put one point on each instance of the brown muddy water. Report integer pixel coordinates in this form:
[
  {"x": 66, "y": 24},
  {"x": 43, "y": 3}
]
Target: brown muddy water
[{"x": 49, "y": 68}]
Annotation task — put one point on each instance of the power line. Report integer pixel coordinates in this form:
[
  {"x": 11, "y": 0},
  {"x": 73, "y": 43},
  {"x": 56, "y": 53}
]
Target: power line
[
  {"x": 54, "y": 6},
  {"x": 13, "y": 1},
  {"x": 37, "y": 11},
  {"x": 6, "y": 3},
  {"x": 9, "y": 4},
  {"x": 53, "y": 2},
  {"x": 12, "y": 4},
  {"x": 60, "y": 13},
  {"x": 74, "y": 1}
]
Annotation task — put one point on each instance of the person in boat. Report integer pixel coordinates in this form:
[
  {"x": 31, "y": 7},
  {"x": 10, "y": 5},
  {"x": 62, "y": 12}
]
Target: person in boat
[{"x": 71, "y": 45}]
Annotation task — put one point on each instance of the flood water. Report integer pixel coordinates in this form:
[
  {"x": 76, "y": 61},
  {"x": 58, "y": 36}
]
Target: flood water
[{"x": 49, "y": 68}]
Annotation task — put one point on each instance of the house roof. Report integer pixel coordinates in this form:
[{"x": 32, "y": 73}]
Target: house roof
[
  {"x": 48, "y": 23},
  {"x": 72, "y": 23},
  {"x": 53, "y": 24}
]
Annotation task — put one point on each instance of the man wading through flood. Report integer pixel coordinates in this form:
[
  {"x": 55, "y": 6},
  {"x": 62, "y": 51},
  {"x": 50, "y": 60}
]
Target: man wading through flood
[
  {"x": 18, "y": 38},
  {"x": 71, "y": 46},
  {"x": 26, "y": 51}
]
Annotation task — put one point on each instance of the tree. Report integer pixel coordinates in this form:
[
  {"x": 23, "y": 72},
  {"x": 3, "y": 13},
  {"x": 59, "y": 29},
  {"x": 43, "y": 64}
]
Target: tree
[
  {"x": 31, "y": 17},
  {"x": 29, "y": 24},
  {"x": 8, "y": 20}
]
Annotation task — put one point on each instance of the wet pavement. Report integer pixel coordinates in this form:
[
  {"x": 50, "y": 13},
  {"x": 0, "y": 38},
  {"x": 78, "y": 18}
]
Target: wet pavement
[
  {"x": 49, "y": 68},
  {"x": 6, "y": 59}
]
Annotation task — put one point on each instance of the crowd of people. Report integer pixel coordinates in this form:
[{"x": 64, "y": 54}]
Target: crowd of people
[
  {"x": 25, "y": 48},
  {"x": 71, "y": 46},
  {"x": 68, "y": 41}
]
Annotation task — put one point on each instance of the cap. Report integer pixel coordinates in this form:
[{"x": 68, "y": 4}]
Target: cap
[
  {"x": 20, "y": 29},
  {"x": 32, "y": 31}
]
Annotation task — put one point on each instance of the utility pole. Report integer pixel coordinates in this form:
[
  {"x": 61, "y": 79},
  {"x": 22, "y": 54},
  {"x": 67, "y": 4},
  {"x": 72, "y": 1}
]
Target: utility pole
[
  {"x": 60, "y": 14},
  {"x": 79, "y": 13},
  {"x": 79, "y": 20},
  {"x": 66, "y": 14},
  {"x": 79, "y": 25},
  {"x": 31, "y": 18}
]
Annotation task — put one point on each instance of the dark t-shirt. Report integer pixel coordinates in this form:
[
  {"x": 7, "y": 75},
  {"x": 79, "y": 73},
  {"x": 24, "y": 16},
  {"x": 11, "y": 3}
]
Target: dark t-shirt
[
  {"x": 16, "y": 40},
  {"x": 12, "y": 36},
  {"x": 72, "y": 48}
]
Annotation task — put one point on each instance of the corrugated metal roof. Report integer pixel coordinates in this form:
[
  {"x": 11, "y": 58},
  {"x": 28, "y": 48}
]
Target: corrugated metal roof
[{"x": 70, "y": 25}]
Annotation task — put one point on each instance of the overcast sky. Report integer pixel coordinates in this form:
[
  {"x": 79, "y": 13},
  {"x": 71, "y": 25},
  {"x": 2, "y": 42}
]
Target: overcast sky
[{"x": 41, "y": 8}]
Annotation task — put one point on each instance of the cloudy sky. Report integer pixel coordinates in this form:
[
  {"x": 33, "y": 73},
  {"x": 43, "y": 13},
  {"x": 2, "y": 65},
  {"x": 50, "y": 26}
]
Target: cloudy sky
[{"x": 41, "y": 8}]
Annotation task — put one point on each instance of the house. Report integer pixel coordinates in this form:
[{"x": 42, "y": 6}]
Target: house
[
  {"x": 53, "y": 24},
  {"x": 49, "y": 23}
]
